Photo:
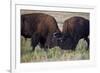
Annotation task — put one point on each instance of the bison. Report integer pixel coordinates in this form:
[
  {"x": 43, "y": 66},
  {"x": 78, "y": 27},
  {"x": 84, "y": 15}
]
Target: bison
[
  {"x": 74, "y": 29},
  {"x": 38, "y": 26}
]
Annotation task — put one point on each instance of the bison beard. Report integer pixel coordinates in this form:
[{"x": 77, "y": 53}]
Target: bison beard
[{"x": 37, "y": 26}]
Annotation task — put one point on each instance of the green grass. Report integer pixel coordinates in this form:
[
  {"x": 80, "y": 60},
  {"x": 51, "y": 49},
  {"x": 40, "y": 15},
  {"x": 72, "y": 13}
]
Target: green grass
[{"x": 53, "y": 54}]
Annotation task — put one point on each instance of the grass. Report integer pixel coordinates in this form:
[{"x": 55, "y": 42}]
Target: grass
[{"x": 53, "y": 54}]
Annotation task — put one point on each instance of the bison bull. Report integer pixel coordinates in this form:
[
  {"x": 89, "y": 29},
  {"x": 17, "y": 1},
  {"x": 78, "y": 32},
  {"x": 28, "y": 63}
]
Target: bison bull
[
  {"x": 75, "y": 28},
  {"x": 38, "y": 26}
]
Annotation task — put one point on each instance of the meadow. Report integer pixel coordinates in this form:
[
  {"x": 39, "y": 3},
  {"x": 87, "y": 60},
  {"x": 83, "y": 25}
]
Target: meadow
[{"x": 52, "y": 54}]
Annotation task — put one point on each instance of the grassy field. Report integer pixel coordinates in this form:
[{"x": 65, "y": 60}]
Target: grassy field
[{"x": 53, "y": 54}]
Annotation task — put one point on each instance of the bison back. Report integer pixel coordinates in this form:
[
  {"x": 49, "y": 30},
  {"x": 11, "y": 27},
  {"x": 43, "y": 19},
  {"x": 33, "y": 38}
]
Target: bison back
[
  {"x": 77, "y": 26},
  {"x": 39, "y": 23}
]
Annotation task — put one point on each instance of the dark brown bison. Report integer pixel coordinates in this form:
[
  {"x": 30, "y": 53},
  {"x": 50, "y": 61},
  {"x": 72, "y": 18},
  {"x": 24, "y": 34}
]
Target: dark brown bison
[
  {"x": 38, "y": 26},
  {"x": 74, "y": 29}
]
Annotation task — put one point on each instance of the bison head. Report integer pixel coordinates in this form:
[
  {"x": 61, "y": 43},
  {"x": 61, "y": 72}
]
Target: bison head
[
  {"x": 53, "y": 39},
  {"x": 67, "y": 42},
  {"x": 62, "y": 40}
]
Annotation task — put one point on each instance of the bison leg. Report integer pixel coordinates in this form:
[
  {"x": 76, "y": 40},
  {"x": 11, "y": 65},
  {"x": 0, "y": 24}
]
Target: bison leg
[
  {"x": 42, "y": 42},
  {"x": 34, "y": 40},
  {"x": 87, "y": 39}
]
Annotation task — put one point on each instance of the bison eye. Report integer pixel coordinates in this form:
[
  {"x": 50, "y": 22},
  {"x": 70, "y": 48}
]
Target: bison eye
[
  {"x": 54, "y": 35},
  {"x": 57, "y": 34}
]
